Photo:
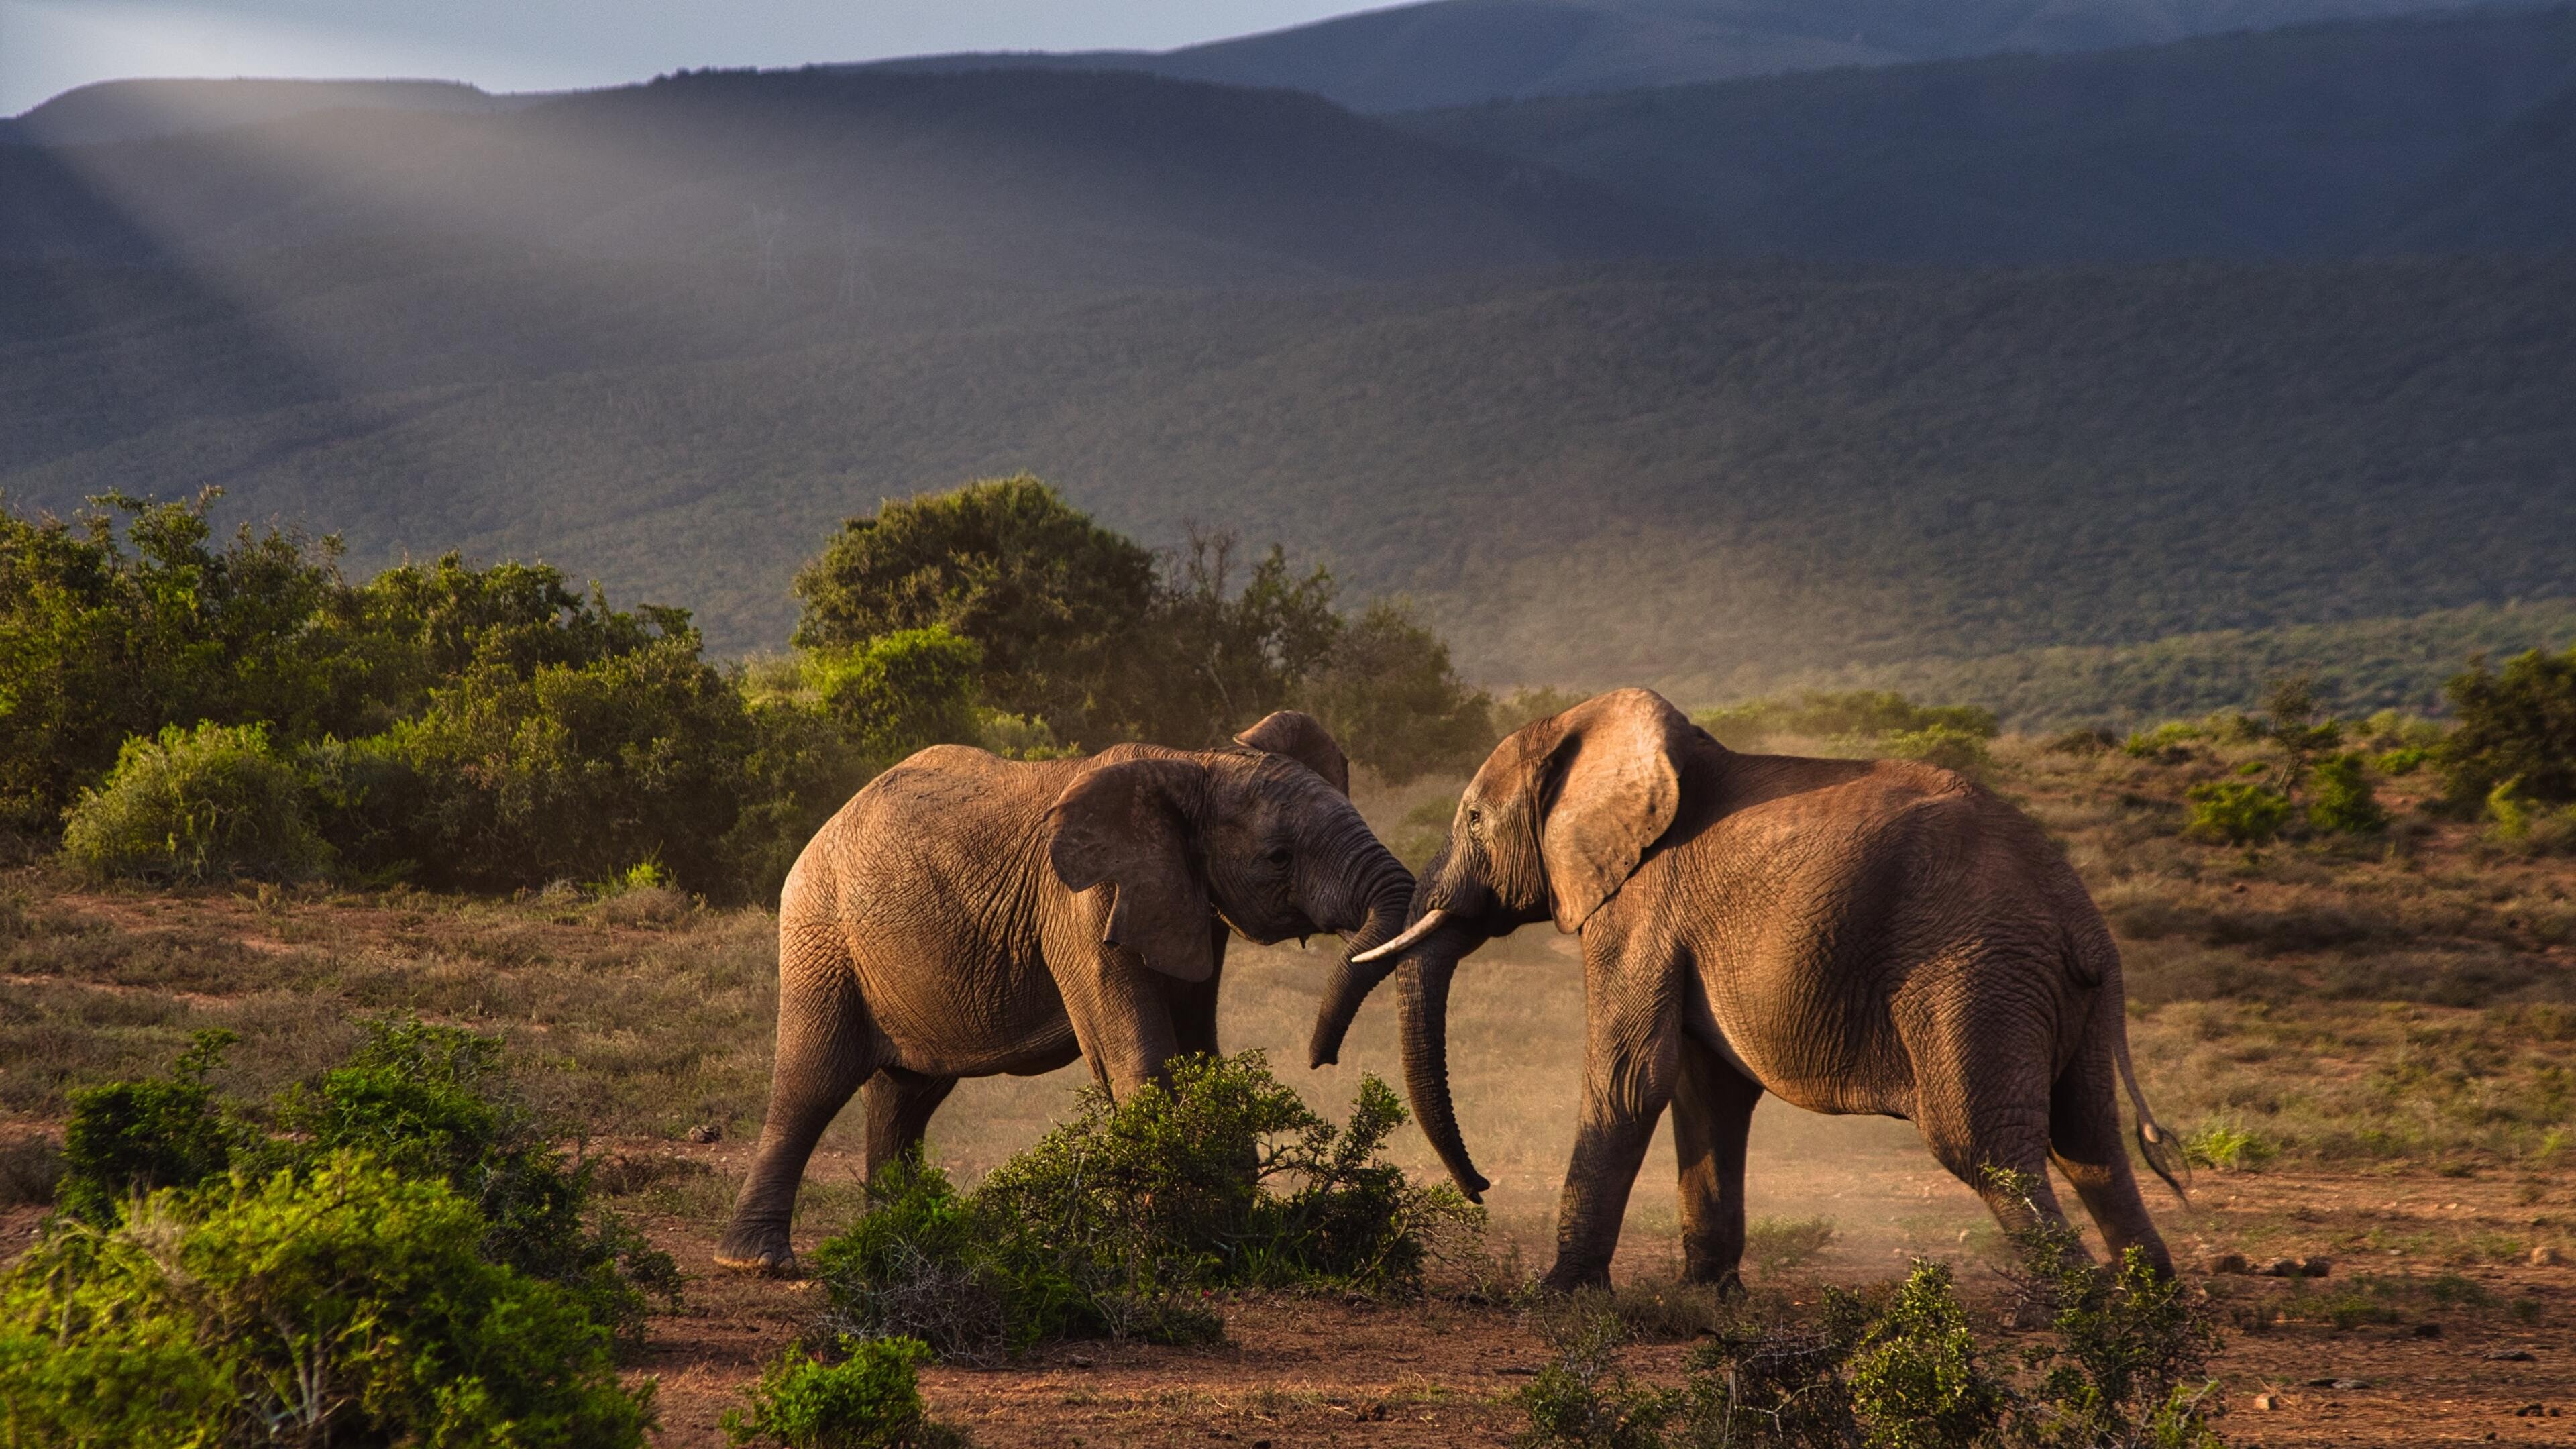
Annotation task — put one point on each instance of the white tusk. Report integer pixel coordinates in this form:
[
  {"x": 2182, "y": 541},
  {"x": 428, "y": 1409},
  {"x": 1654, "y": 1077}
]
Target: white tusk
[{"x": 1418, "y": 930}]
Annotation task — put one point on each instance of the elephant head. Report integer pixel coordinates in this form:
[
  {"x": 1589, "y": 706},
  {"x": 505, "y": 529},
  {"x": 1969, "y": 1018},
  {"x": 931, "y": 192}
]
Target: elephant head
[
  {"x": 1263, "y": 836},
  {"x": 1555, "y": 821}
]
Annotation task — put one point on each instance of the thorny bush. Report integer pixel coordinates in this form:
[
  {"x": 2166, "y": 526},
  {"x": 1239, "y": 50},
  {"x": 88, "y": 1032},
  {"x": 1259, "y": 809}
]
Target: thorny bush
[{"x": 1120, "y": 1222}]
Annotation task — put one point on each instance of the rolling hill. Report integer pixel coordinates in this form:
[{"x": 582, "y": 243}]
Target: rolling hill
[
  {"x": 669, "y": 335},
  {"x": 1053, "y": 180},
  {"x": 2418, "y": 133},
  {"x": 1723, "y": 476},
  {"x": 131, "y": 110},
  {"x": 1462, "y": 52}
]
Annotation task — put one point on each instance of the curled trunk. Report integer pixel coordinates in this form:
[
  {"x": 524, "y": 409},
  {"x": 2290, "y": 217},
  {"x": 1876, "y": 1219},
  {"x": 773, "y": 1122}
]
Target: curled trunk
[
  {"x": 1352, "y": 981},
  {"x": 1423, "y": 993}
]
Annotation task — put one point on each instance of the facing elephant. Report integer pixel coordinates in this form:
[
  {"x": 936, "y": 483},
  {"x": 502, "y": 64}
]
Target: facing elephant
[
  {"x": 965, "y": 915},
  {"x": 1850, "y": 936}
]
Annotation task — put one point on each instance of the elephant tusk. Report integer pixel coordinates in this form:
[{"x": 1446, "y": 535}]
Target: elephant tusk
[{"x": 1430, "y": 922}]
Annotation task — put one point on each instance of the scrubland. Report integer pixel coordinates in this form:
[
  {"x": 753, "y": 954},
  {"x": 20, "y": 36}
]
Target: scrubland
[{"x": 2368, "y": 1043}]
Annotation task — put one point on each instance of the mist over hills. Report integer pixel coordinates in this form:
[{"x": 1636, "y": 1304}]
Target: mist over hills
[
  {"x": 131, "y": 110},
  {"x": 668, "y": 335},
  {"x": 1460, "y": 52},
  {"x": 2418, "y": 133},
  {"x": 1723, "y": 477},
  {"x": 1045, "y": 180}
]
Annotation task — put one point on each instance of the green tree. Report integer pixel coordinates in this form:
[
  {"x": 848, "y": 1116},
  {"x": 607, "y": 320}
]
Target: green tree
[
  {"x": 1213, "y": 660},
  {"x": 109, "y": 632},
  {"x": 1390, "y": 696},
  {"x": 1049, "y": 595},
  {"x": 2516, "y": 725},
  {"x": 899, "y": 692},
  {"x": 574, "y": 772}
]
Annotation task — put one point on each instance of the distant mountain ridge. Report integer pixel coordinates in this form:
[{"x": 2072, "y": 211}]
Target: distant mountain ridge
[
  {"x": 1074, "y": 179},
  {"x": 136, "y": 110},
  {"x": 1464, "y": 52},
  {"x": 2426, "y": 132}
]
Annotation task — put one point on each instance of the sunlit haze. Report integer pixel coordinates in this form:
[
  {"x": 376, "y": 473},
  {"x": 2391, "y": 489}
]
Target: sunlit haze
[{"x": 50, "y": 46}]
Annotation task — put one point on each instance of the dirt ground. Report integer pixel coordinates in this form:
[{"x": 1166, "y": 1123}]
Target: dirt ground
[{"x": 1305, "y": 1371}]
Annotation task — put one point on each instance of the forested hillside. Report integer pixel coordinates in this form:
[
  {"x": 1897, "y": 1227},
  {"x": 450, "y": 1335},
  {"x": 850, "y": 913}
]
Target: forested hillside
[
  {"x": 1737, "y": 476},
  {"x": 2424, "y": 133},
  {"x": 1461, "y": 52}
]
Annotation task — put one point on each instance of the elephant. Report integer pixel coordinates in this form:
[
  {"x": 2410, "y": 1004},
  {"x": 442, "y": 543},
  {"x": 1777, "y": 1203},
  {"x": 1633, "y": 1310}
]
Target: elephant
[
  {"x": 1850, "y": 936},
  {"x": 966, "y": 915}
]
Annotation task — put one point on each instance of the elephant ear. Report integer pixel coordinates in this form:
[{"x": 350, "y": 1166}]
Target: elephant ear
[
  {"x": 1127, "y": 826},
  {"x": 1615, "y": 790},
  {"x": 1301, "y": 737}
]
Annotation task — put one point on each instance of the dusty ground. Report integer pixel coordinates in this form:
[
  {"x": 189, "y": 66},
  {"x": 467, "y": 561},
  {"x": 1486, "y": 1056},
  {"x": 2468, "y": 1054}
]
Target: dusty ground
[
  {"x": 2389, "y": 1027},
  {"x": 1443, "y": 1373}
]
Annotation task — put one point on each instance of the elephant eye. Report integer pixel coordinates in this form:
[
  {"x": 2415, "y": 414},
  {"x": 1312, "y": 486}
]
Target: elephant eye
[
  {"x": 1475, "y": 820},
  {"x": 1278, "y": 855}
]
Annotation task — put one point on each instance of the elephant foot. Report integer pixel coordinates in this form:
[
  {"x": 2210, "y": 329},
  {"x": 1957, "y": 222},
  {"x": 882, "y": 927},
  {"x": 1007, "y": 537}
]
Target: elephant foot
[
  {"x": 1727, "y": 1281},
  {"x": 1567, "y": 1278},
  {"x": 756, "y": 1248}
]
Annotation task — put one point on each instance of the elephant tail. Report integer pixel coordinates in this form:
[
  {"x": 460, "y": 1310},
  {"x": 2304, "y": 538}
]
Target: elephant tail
[{"x": 2157, "y": 1145}]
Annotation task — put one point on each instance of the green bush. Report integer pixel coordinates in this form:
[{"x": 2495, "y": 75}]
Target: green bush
[
  {"x": 2164, "y": 742},
  {"x": 2517, "y": 725},
  {"x": 2229, "y": 1148},
  {"x": 344, "y": 1304},
  {"x": 1860, "y": 716},
  {"x": 1916, "y": 1378},
  {"x": 2119, "y": 1361},
  {"x": 1947, "y": 746},
  {"x": 869, "y": 1399},
  {"x": 1117, "y": 1221},
  {"x": 1778, "y": 1244},
  {"x": 209, "y": 803},
  {"x": 2236, "y": 812},
  {"x": 898, "y": 692},
  {"x": 575, "y": 772},
  {"x": 1424, "y": 827},
  {"x": 127, "y": 1140},
  {"x": 2340, "y": 797},
  {"x": 1583, "y": 1399},
  {"x": 428, "y": 1101}
]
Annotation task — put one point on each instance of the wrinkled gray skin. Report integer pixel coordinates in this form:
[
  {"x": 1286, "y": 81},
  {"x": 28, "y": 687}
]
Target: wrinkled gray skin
[
  {"x": 1850, "y": 936},
  {"x": 966, "y": 915}
]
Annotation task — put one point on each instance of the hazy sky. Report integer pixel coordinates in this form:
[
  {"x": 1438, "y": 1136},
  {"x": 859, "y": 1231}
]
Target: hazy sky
[{"x": 49, "y": 46}]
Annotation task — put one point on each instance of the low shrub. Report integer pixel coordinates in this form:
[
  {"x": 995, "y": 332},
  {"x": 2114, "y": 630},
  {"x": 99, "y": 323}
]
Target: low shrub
[
  {"x": 1778, "y": 1244},
  {"x": 1946, "y": 746},
  {"x": 127, "y": 1140},
  {"x": 1119, "y": 1221},
  {"x": 430, "y": 1102},
  {"x": 209, "y": 803},
  {"x": 2518, "y": 723},
  {"x": 2119, "y": 1361},
  {"x": 870, "y": 1398},
  {"x": 1859, "y": 716},
  {"x": 2340, "y": 798},
  {"x": 343, "y": 1304},
  {"x": 2166, "y": 741},
  {"x": 1424, "y": 829},
  {"x": 1583, "y": 1399},
  {"x": 2236, "y": 812},
  {"x": 2229, "y": 1148}
]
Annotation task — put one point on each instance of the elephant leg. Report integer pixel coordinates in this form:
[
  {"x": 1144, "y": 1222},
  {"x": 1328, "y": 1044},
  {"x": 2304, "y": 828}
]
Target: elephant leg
[
  {"x": 2086, "y": 1141},
  {"x": 1124, "y": 1020},
  {"x": 1982, "y": 1069},
  {"x": 1628, "y": 1070},
  {"x": 899, "y": 1104},
  {"x": 1193, "y": 1008},
  {"x": 1712, "y": 1115},
  {"x": 825, "y": 1050}
]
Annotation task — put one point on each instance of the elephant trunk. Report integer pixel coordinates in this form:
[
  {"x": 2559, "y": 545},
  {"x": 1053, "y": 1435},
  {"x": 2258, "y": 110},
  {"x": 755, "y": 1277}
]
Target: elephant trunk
[
  {"x": 1353, "y": 979},
  {"x": 1423, "y": 993}
]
